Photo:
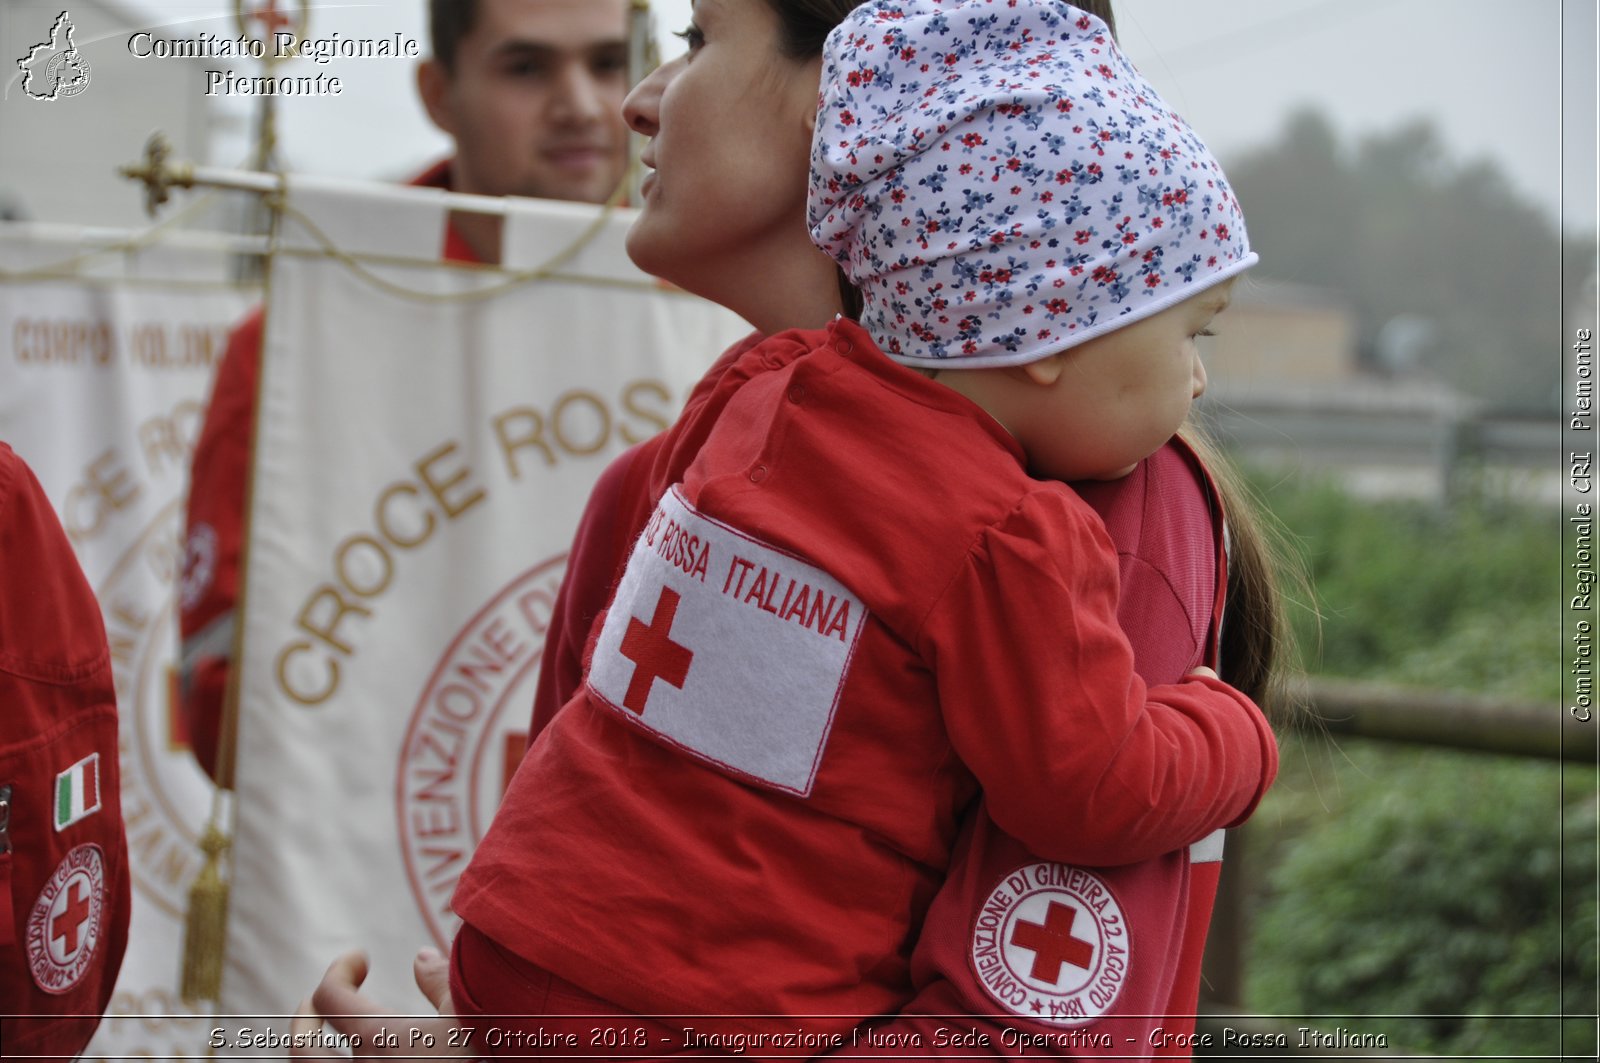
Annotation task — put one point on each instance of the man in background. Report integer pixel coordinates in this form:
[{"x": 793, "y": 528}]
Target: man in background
[{"x": 531, "y": 92}]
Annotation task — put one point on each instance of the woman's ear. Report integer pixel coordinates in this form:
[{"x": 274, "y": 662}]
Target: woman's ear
[
  {"x": 1047, "y": 370},
  {"x": 812, "y": 77}
]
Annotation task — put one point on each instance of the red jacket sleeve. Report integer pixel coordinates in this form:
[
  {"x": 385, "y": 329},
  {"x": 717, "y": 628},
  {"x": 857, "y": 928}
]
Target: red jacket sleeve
[
  {"x": 64, "y": 881},
  {"x": 619, "y": 504},
  {"x": 599, "y": 550},
  {"x": 1042, "y": 702},
  {"x": 219, "y": 478}
]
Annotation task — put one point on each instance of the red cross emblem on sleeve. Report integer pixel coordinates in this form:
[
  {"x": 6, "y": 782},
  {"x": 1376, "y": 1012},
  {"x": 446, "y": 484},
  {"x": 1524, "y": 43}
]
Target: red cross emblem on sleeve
[
  {"x": 1052, "y": 943},
  {"x": 653, "y": 653},
  {"x": 704, "y": 617},
  {"x": 65, "y": 924},
  {"x": 64, "y": 928}
]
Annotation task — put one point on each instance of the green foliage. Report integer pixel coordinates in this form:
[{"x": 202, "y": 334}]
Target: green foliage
[
  {"x": 1460, "y": 598},
  {"x": 1435, "y": 884},
  {"x": 1393, "y": 880}
]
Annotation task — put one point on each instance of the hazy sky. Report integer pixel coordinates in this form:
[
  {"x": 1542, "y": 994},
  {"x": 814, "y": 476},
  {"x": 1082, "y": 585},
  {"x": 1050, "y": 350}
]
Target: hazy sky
[{"x": 1488, "y": 73}]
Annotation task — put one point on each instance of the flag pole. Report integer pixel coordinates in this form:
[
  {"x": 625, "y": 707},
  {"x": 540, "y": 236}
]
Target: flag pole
[{"x": 205, "y": 925}]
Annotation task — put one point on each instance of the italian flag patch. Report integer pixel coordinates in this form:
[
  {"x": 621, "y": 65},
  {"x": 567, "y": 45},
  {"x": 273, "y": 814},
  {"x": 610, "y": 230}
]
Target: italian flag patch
[{"x": 78, "y": 791}]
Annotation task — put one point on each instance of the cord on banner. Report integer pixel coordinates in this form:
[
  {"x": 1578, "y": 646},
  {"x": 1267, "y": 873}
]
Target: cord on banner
[{"x": 159, "y": 174}]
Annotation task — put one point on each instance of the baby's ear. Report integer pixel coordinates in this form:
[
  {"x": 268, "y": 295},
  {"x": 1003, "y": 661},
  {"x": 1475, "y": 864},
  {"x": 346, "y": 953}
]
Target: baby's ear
[{"x": 1047, "y": 370}]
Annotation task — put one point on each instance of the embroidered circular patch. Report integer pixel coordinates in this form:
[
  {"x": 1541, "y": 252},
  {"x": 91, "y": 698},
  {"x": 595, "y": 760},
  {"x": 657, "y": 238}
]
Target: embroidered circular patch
[
  {"x": 64, "y": 929},
  {"x": 199, "y": 565},
  {"x": 467, "y": 735},
  {"x": 1051, "y": 944}
]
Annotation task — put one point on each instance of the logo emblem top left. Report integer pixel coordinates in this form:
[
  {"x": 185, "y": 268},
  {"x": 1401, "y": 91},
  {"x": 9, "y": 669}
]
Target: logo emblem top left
[{"x": 55, "y": 69}]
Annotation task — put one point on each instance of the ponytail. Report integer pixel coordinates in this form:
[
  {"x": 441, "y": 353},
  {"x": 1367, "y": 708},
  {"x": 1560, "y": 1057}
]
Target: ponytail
[{"x": 1259, "y": 655}]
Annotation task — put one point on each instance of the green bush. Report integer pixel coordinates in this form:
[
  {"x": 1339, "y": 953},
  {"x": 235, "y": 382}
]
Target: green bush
[
  {"x": 1393, "y": 880},
  {"x": 1436, "y": 883}
]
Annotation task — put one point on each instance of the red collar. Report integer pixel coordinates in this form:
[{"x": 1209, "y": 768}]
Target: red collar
[{"x": 456, "y": 249}]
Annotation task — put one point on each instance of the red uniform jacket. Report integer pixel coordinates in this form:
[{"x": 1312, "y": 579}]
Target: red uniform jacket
[{"x": 63, "y": 855}]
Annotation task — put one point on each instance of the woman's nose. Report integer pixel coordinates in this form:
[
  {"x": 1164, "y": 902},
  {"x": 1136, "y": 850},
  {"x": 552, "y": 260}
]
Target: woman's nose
[{"x": 642, "y": 109}]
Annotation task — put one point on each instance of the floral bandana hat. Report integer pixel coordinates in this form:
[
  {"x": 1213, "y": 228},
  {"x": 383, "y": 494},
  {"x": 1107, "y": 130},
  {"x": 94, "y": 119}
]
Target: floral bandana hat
[{"x": 1001, "y": 183}]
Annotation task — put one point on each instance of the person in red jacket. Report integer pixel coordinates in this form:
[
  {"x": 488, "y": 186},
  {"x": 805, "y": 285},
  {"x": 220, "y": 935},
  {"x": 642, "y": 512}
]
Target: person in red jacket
[
  {"x": 64, "y": 881},
  {"x": 531, "y": 93}
]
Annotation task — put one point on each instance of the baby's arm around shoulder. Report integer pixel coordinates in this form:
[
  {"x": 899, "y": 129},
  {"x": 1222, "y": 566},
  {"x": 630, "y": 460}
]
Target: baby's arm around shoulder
[{"x": 1079, "y": 760}]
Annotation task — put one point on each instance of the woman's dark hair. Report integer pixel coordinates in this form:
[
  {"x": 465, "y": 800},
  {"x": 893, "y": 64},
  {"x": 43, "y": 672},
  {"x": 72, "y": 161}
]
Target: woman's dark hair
[
  {"x": 1259, "y": 653},
  {"x": 805, "y": 24}
]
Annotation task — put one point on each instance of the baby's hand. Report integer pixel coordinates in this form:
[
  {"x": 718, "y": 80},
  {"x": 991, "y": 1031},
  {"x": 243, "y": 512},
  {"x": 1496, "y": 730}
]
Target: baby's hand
[{"x": 1202, "y": 670}]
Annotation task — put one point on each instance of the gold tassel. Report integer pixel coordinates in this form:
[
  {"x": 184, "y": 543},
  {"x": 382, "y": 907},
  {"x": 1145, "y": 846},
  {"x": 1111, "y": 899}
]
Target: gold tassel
[{"x": 206, "y": 926}]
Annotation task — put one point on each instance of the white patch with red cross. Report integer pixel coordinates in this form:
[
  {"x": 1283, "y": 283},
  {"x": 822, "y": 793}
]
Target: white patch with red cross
[
  {"x": 64, "y": 928},
  {"x": 727, "y": 648},
  {"x": 1050, "y": 943}
]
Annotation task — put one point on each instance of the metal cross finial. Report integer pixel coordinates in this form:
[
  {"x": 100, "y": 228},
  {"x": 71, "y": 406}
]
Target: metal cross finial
[{"x": 158, "y": 173}]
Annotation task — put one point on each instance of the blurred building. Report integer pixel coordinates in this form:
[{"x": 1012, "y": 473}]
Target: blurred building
[
  {"x": 1278, "y": 336},
  {"x": 1289, "y": 390},
  {"x": 59, "y": 157}
]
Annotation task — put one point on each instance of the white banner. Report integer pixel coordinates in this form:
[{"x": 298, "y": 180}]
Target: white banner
[
  {"x": 423, "y": 453},
  {"x": 105, "y": 366}
]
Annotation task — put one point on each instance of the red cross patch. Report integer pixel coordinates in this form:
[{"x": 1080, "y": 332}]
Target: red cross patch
[
  {"x": 1051, "y": 943},
  {"x": 64, "y": 927},
  {"x": 727, "y": 647},
  {"x": 653, "y": 653}
]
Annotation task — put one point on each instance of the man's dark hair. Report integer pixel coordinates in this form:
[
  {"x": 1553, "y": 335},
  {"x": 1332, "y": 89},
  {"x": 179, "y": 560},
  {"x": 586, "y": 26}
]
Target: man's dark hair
[{"x": 448, "y": 22}]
